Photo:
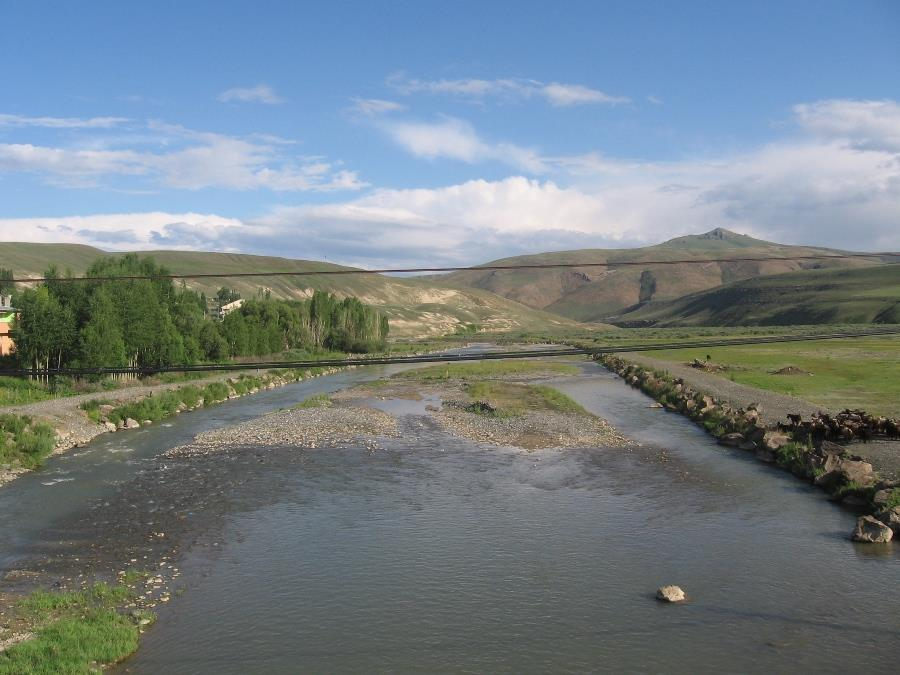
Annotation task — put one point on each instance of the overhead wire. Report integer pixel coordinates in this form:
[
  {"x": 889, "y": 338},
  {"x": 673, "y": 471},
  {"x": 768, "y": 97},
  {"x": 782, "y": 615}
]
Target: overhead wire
[
  {"x": 476, "y": 268},
  {"x": 449, "y": 357}
]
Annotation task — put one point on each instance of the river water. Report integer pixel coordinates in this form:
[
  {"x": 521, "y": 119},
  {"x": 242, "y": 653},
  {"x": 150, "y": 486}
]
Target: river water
[{"x": 438, "y": 555}]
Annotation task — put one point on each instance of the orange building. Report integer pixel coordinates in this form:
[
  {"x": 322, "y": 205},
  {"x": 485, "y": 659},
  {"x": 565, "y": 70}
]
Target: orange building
[{"x": 7, "y": 314}]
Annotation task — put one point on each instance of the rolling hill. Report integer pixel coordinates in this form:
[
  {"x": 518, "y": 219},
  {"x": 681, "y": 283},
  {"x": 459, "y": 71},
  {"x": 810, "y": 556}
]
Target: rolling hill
[
  {"x": 860, "y": 295},
  {"x": 592, "y": 293},
  {"x": 416, "y": 307}
]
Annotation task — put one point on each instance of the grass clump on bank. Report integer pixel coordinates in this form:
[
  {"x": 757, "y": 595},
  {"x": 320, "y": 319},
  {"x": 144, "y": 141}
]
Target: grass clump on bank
[
  {"x": 18, "y": 391},
  {"x": 506, "y": 399},
  {"x": 317, "y": 401},
  {"x": 74, "y": 631},
  {"x": 24, "y": 442},
  {"x": 479, "y": 370}
]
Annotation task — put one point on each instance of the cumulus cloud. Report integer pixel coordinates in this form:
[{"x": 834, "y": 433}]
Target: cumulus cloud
[
  {"x": 187, "y": 159},
  {"x": 453, "y": 138},
  {"x": 261, "y": 93},
  {"x": 866, "y": 124},
  {"x": 555, "y": 93}
]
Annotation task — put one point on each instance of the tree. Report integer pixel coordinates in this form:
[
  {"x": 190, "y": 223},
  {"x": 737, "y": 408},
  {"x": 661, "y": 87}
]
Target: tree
[
  {"x": 226, "y": 295},
  {"x": 6, "y": 284},
  {"x": 102, "y": 344}
]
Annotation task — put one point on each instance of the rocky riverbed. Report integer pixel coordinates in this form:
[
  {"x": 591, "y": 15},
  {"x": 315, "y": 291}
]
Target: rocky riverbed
[{"x": 318, "y": 427}]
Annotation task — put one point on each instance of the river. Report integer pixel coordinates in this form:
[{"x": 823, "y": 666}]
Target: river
[{"x": 438, "y": 555}]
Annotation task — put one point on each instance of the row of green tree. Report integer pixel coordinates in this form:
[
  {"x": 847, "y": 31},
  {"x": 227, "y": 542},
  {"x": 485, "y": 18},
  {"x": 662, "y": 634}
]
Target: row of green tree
[{"x": 147, "y": 323}]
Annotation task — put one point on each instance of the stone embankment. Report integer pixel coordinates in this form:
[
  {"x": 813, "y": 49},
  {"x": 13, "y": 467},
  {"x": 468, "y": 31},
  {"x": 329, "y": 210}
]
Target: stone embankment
[{"x": 817, "y": 450}]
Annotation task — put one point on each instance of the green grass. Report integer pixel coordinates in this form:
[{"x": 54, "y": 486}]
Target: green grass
[
  {"x": 317, "y": 401},
  {"x": 511, "y": 399},
  {"x": 17, "y": 391},
  {"x": 24, "y": 442},
  {"x": 92, "y": 408},
  {"x": 488, "y": 369},
  {"x": 854, "y": 373},
  {"x": 74, "y": 632},
  {"x": 894, "y": 499}
]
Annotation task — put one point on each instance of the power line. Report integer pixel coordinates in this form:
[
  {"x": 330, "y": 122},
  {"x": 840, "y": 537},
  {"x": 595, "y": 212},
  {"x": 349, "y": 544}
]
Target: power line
[
  {"x": 441, "y": 358},
  {"x": 477, "y": 268}
]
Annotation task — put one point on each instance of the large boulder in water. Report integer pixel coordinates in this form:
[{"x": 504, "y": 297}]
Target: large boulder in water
[
  {"x": 872, "y": 531},
  {"x": 670, "y": 594}
]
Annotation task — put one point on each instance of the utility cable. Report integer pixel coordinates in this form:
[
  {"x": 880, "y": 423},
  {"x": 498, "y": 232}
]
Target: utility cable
[{"x": 441, "y": 358}]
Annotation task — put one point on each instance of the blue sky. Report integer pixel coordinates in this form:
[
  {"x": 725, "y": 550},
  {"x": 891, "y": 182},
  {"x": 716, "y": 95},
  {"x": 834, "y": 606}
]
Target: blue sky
[{"x": 416, "y": 132}]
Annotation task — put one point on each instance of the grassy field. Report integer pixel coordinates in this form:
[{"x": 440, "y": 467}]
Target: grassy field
[
  {"x": 858, "y": 373},
  {"x": 510, "y": 399}
]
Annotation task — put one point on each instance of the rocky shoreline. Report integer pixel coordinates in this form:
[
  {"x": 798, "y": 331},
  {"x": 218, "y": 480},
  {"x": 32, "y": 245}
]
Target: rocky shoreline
[{"x": 832, "y": 466}]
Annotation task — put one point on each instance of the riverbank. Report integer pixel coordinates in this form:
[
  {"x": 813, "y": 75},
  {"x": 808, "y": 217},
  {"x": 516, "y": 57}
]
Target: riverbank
[
  {"x": 77, "y": 420},
  {"x": 755, "y": 421}
]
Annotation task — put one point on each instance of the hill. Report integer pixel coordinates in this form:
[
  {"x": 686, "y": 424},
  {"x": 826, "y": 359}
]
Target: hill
[
  {"x": 861, "y": 295},
  {"x": 593, "y": 293},
  {"x": 415, "y": 306}
]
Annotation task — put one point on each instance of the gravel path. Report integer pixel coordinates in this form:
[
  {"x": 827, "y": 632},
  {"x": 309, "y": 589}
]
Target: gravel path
[{"x": 884, "y": 455}]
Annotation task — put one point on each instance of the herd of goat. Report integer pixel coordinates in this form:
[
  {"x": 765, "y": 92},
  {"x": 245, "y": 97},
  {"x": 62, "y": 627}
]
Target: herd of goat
[{"x": 845, "y": 426}]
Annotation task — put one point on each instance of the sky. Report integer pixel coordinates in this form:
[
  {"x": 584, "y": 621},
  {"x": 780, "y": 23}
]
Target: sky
[{"x": 411, "y": 133}]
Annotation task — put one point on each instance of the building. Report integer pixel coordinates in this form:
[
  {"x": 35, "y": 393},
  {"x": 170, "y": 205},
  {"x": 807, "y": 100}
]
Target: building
[
  {"x": 228, "y": 308},
  {"x": 7, "y": 314}
]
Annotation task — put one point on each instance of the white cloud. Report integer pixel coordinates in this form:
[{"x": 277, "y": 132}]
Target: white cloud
[
  {"x": 576, "y": 94},
  {"x": 456, "y": 139},
  {"x": 189, "y": 160},
  {"x": 60, "y": 122},
  {"x": 261, "y": 93},
  {"x": 867, "y": 124},
  {"x": 121, "y": 231},
  {"x": 555, "y": 93},
  {"x": 375, "y": 106}
]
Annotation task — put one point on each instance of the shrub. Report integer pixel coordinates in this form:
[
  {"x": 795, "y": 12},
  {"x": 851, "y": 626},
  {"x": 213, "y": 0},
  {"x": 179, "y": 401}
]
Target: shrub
[
  {"x": 317, "y": 401},
  {"x": 24, "y": 441},
  {"x": 894, "y": 498},
  {"x": 791, "y": 455}
]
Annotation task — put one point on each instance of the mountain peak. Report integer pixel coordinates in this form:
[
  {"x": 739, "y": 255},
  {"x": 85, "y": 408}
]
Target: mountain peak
[
  {"x": 718, "y": 237},
  {"x": 719, "y": 233}
]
